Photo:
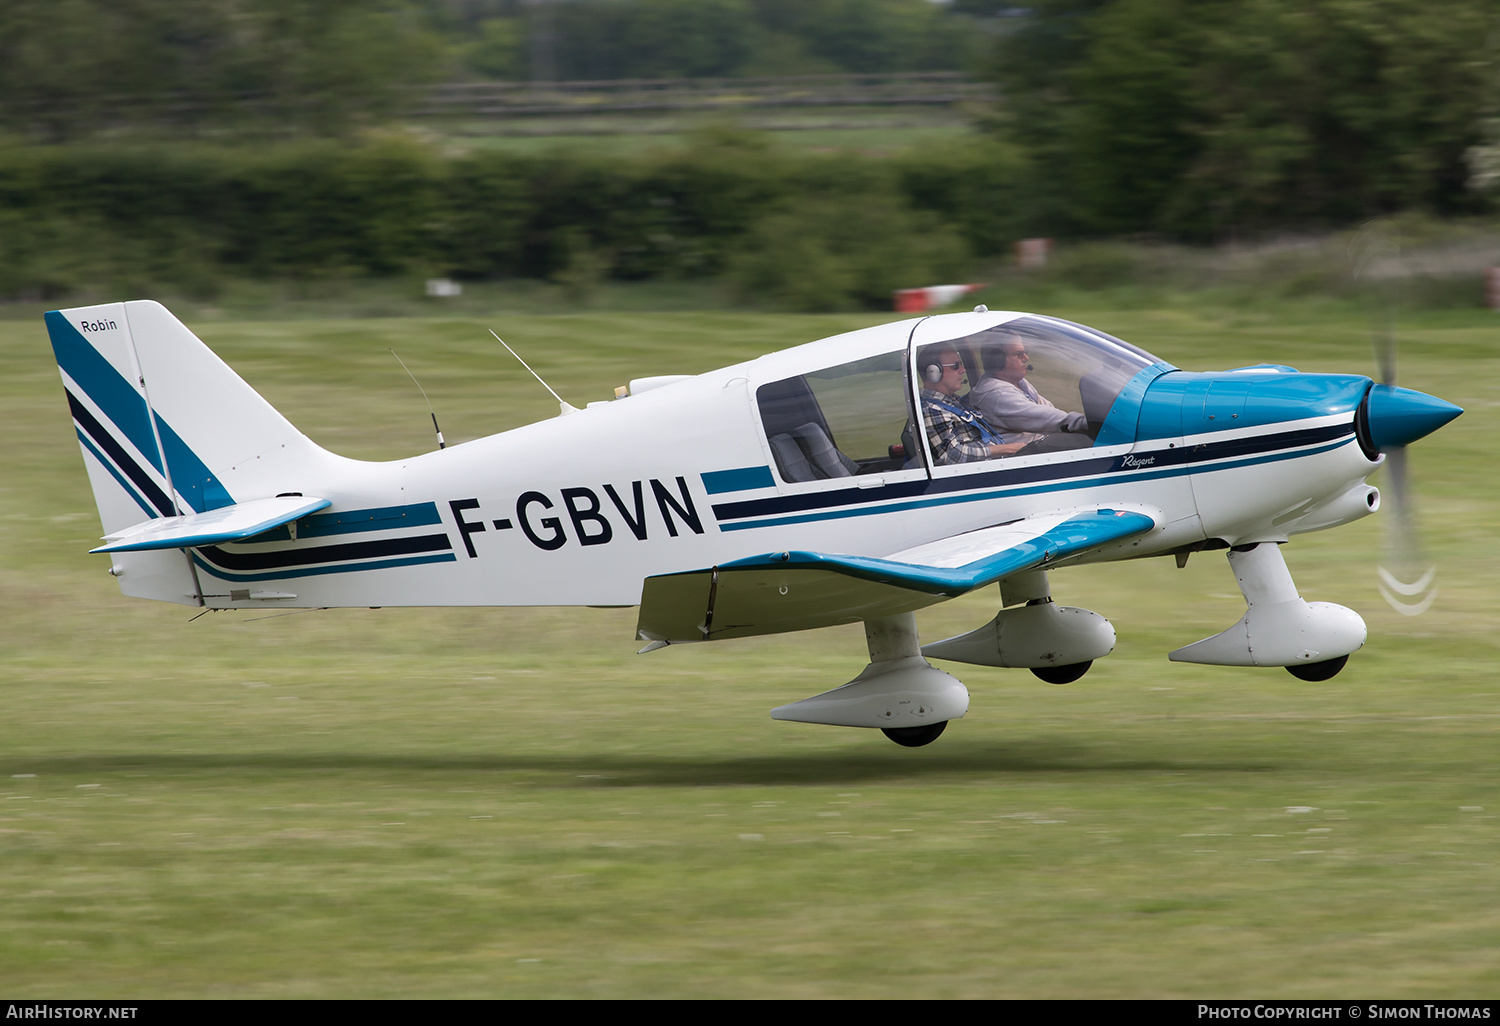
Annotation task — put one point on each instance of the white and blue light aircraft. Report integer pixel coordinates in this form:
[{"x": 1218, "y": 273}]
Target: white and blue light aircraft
[{"x": 794, "y": 491}]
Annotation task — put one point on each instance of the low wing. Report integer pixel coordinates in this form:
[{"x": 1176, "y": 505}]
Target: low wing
[
  {"x": 226, "y": 524},
  {"x": 793, "y": 591}
]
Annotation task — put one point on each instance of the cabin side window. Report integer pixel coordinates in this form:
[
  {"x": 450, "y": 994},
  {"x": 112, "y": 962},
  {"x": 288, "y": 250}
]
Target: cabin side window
[{"x": 838, "y": 422}]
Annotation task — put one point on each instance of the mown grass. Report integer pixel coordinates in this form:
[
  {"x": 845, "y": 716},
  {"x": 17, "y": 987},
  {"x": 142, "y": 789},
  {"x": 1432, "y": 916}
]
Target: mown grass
[{"x": 511, "y": 803}]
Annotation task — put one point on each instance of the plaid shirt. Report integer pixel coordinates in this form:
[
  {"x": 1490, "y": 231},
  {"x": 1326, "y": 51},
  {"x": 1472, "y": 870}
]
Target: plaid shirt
[{"x": 956, "y": 433}]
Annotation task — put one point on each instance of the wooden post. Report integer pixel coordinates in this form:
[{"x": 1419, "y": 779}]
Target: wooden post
[{"x": 1033, "y": 252}]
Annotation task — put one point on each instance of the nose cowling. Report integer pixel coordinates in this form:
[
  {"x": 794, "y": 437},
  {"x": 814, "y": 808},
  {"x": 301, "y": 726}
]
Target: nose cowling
[{"x": 1399, "y": 416}]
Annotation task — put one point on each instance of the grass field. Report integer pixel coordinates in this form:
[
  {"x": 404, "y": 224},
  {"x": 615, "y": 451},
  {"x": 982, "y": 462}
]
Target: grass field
[{"x": 511, "y": 803}]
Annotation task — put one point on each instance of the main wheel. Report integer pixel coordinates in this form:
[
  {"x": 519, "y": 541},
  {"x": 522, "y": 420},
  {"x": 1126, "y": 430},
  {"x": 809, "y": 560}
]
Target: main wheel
[
  {"x": 915, "y": 737},
  {"x": 1063, "y": 674},
  {"x": 1318, "y": 671}
]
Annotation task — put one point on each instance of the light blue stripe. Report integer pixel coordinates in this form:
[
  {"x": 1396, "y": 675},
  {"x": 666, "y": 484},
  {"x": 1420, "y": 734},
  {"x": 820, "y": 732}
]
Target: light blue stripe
[
  {"x": 197, "y": 485},
  {"x": 359, "y": 521},
  {"x": 717, "y": 482},
  {"x": 129, "y": 488},
  {"x": 385, "y": 518},
  {"x": 1175, "y": 403},
  {"x": 120, "y": 403},
  {"x": 1119, "y": 427},
  {"x": 125, "y": 408}
]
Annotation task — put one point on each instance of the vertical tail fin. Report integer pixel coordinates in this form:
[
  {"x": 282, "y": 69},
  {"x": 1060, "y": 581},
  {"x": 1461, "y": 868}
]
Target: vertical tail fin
[
  {"x": 171, "y": 426},
  {"x": 166, "y": 427}
]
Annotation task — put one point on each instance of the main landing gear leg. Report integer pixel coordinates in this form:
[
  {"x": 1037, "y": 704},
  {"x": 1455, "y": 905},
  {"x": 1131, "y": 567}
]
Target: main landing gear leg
[
  {"x": 900, "y": 692},
  {"x": 1057, "y": 643},
  {"x": 894, "y": 639}
]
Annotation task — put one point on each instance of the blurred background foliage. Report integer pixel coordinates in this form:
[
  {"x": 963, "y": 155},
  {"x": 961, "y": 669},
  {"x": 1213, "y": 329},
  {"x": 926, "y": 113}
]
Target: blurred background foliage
[
  {"x": 141, "y": 216},
  {"x": 187, "y": 144},
  {"x": 68, "y": 67},
  {"x": 1198, "y": 118},
  {"x": 72, "y": 67}
]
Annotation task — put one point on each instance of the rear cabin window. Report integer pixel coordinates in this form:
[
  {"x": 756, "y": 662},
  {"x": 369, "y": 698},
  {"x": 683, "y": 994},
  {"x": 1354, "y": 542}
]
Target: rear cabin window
[{"x": 839, "y": 422}]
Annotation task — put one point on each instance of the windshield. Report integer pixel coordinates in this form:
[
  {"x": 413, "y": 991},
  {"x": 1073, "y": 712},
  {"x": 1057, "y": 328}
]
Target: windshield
[{"x": 1028, "y": 386}]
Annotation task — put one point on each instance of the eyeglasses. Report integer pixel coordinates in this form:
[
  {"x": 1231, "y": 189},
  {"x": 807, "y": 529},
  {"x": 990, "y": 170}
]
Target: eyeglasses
[
  {"x": 955, "y": 365},
  {"x": 1021, "y": 353}
]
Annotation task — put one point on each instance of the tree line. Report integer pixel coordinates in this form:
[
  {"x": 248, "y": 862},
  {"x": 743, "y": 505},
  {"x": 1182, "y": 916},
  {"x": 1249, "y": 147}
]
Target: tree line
[
  {"x": 816, "y": 231},
  {"x": 1191, "y": 120},
  {"x": 72, "y": 67},
  {"x": 1203, "y": 119}
]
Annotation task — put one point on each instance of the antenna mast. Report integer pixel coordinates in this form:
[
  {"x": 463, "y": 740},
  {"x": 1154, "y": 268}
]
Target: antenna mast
[
  {"x": 564, "y": 407},
  {"x": 441, "y": 444}
]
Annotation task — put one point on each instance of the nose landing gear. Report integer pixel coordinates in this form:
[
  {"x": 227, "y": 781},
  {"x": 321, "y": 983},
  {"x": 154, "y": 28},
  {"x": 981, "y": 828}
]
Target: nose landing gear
[{"x": 915, "y": 737}]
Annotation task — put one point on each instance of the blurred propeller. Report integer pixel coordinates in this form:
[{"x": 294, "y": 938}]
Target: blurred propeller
[{"x": 1410, "y": 589}]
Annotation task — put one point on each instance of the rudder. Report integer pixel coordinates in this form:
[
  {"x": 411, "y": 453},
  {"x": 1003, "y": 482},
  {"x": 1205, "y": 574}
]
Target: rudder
[{"x": 166, "y": 427}]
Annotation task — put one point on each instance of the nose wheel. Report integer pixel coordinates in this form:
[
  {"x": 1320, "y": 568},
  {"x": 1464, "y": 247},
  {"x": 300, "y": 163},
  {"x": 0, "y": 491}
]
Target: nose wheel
[
  {"x": 915, "y": 737},
  {"x": 1318, "y": 671},
  {"x": 1062, "y": 674}
]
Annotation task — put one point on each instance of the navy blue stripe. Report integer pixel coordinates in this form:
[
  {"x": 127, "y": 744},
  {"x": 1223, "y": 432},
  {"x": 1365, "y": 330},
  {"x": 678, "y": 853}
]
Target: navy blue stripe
[
  {"x": 1264, "y": 443},
  {"x": 1052, "y": 486},
  {"x": 114, "y": 396},
  {"x": 123, "y": 406},
  {"x": 820, "y": 500},
  {"x": 107, "y": 465},
  {"x": 1054, "y": 475},
  {"x": 1273, "y": 458},
  {"x": 348, "y": 568},
  {"x": 106, "y": 441},
  {"x": 303, "y": 556},
  {"x": 126, "y": 409}
]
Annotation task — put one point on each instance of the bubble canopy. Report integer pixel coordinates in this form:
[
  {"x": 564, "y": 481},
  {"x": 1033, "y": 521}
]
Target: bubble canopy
[{"x": 862, "y": 403}]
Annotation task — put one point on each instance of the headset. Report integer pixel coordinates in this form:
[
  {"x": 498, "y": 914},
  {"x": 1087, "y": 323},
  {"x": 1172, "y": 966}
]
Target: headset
[{"x": 932, "y": 367}]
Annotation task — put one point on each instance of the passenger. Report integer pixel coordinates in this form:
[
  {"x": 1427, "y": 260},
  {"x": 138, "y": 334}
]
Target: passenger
[
  {"x": 1007, "y": 400},
  {"x": 956, "y": 433}
]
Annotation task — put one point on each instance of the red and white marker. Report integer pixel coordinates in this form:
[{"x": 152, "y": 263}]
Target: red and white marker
[{"x": 931, "y": 297}]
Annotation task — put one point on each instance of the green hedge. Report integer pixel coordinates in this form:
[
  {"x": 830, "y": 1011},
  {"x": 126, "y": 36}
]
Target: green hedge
[{"x": 86, "y": 219}]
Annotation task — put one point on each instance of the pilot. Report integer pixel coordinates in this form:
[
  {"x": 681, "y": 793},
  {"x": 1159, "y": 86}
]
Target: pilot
[
  {"x": 1007, "y": 400},
  {"x": 956, "y": 433}
]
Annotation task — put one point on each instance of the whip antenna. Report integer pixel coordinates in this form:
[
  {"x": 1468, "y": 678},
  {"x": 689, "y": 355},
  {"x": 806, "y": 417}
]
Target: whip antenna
[
  {"x": 564, "y": 406},
  {"x": 441, "y": 444}
]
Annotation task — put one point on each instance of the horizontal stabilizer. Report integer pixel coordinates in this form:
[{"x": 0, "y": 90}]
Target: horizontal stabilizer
[
  {"x": 225, "y": 524},
  {"x": 789, "y": 591}
]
